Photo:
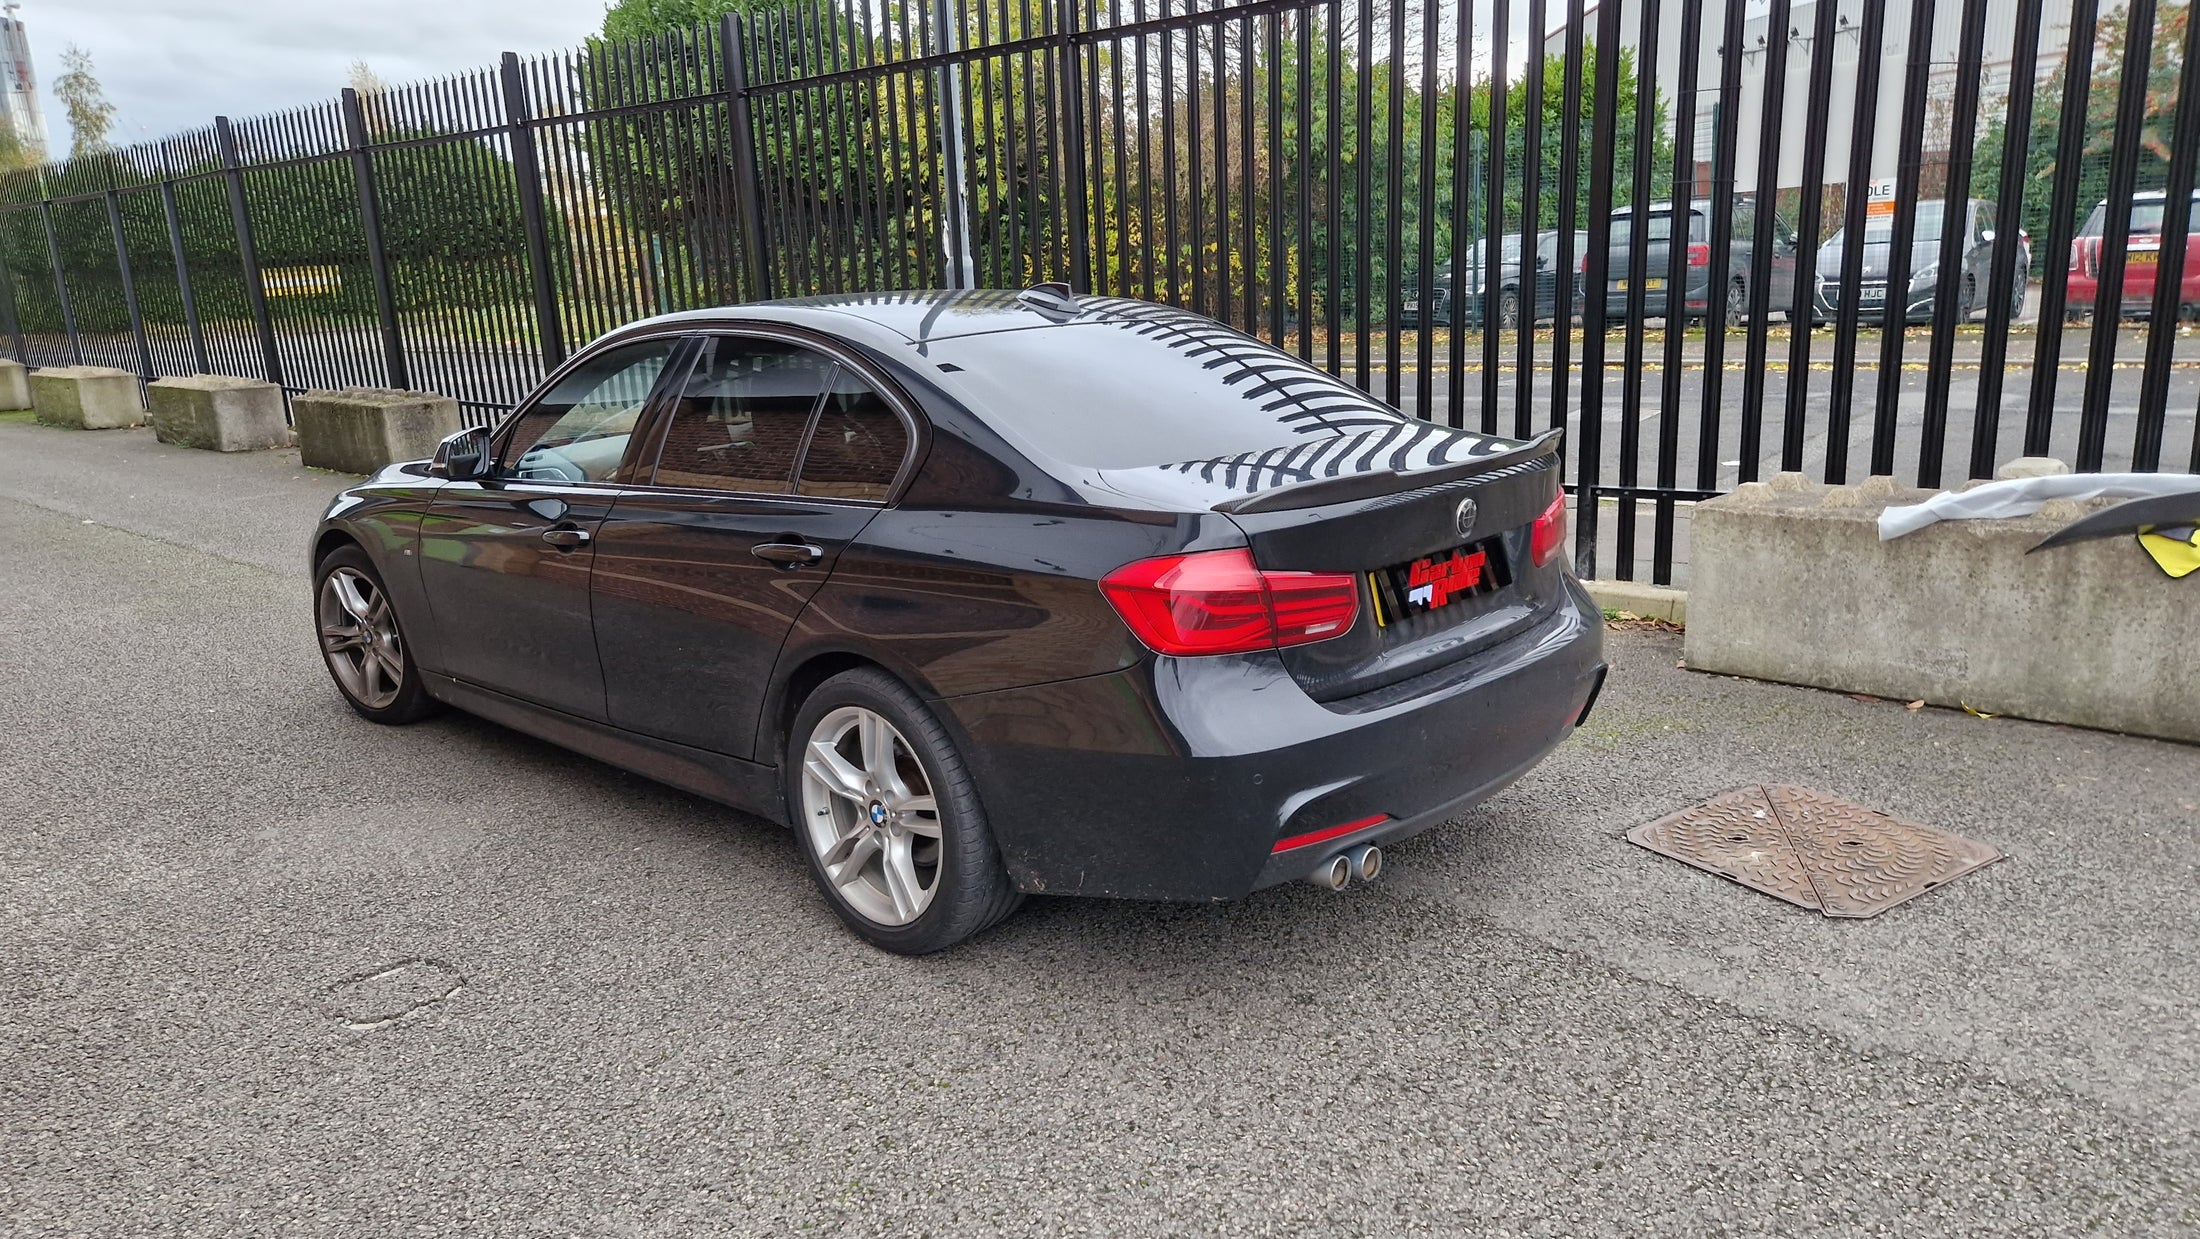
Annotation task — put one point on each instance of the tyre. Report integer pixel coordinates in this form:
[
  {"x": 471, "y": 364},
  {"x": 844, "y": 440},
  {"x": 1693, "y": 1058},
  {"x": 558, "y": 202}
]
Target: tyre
[
  {"x": 363, "y": 640},
  {"x": 1737, "y": 302},
  {"x": 1508, "y": 309},
  {"x": 2018, "y": 296},
  {"x": 1968, "y": 306},
  {"x": 889, "y": 820}
]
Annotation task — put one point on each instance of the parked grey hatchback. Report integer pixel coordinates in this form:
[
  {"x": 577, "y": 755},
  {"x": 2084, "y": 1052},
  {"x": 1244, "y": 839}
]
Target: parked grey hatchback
[
  {"x": 1968, "y": 281},
  {"x": 1743, "y": 299}
]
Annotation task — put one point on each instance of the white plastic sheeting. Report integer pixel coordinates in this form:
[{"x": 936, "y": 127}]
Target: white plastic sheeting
[{"x": 2023, "y": 497}]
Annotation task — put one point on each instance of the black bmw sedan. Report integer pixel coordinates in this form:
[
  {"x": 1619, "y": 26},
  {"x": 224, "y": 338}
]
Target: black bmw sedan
[{"x": 984, "y": 593}]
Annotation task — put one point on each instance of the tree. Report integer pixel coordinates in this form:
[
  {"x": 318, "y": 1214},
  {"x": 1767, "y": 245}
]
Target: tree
[
  {"x": 362, "y": 78},
  {"x": 84, "y": 103},
  {"x": 630, "y": 19},
  {"x": 2154, "y": 137}
]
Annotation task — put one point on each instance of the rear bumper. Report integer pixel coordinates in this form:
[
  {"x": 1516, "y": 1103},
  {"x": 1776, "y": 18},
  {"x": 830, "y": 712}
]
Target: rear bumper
[
  {"x": 1176, "y": 779},
  {"x": 1618, "y": 302}
]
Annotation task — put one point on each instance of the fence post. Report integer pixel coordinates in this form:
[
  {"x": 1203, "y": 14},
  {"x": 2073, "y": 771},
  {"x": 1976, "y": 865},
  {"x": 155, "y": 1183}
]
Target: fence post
[
  {"x": 525, "y": 170},
  {"x": 248, "y": 254},
  {"x": 183, "y": 271},
  {"x": 1069, "y": 105},
  {"x": 370, "y": 223},
  {"x": 129, "y": 285},
  {"x": 955, "y": 247},
  {"x": 60, "y": 277},
  {"x": 748, "y": 179}
]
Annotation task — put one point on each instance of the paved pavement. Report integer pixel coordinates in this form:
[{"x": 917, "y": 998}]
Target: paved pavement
[{"x": 1526, "y": 1027}]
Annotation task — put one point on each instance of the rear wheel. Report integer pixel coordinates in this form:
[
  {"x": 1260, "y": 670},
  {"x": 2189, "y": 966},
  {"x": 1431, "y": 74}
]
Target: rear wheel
[
  {"x": 363, "y": 643},
  {"x": 1508, "y": 308},
  {"x": 1737, "y": 302},
  {"x": 889, "y": 819}
]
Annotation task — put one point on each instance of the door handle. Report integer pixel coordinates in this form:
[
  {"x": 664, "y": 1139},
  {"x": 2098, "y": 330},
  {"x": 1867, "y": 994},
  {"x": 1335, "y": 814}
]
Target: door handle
[
  {"x": 565, "y": 538},
  {"x": 788, "y": 554}
]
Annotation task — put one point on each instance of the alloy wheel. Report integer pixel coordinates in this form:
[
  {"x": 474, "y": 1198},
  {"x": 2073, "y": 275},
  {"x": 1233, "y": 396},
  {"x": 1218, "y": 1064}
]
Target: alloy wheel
[
  {"x": 360, "y": 639},
  {"x": 871, "y": 816}
]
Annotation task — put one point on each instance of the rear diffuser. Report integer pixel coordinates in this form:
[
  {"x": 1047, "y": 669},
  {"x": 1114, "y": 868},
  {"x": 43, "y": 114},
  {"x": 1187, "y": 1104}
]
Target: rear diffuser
[{"x": 1813, "y": 850}]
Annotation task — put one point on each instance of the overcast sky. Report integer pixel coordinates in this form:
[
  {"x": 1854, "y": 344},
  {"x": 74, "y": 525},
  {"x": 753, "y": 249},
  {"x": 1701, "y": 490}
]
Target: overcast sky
[{"x": 176, "y": 64}]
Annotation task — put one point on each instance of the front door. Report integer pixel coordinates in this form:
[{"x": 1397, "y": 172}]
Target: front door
[
  {"x": 505, "y": 559},
  {"x": 771, "y": 458}
]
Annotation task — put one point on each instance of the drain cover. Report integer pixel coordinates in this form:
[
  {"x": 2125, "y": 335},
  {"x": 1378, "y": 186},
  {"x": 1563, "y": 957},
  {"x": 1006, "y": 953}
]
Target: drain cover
[{"x": 1814, "y": 850}]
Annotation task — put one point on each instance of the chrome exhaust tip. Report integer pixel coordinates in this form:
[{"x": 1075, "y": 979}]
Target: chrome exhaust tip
[
  {"x": 1332, "y": 874},
  {"x": 1366, "y": 862}
]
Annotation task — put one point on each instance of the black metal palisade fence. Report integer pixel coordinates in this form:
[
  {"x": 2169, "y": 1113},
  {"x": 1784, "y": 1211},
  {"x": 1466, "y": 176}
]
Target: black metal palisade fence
[{"x": 1305, "y": 170}]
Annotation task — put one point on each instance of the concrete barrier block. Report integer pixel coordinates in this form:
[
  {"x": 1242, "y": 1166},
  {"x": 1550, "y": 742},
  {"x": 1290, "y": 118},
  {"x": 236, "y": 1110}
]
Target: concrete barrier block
[
  {"x": 15, "y": 385},
  {"x": 217, "y": 412},
  {"x": 1787, "y": 585},
  {"x": 86, "y": 397},
  {"x": 362, "y": 429}
]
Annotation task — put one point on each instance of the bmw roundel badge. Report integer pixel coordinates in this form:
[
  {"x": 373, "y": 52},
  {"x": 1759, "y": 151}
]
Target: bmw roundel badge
[{"x": 1465, "y": 516}]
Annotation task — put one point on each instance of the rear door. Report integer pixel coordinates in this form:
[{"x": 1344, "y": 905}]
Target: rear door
[
  {"x": 768, "y": 459},
  {"x": 506, "y": 559}
]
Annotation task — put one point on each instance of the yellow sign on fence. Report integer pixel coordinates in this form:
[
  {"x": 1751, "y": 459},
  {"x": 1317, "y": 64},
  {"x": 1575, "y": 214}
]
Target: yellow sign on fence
[{"x": 302, "y": 281}]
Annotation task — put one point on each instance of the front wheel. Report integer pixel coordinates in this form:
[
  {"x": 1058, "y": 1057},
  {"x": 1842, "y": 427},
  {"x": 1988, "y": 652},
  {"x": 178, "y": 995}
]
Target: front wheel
[
  {"x": 363, "y": 643},
  {"x": 1508, "y": 309},
  {"x": 889, "y": 819}
]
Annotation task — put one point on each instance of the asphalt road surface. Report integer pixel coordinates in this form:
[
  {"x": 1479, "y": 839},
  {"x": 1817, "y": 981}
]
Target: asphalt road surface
[{"x": 272, "y": 970}]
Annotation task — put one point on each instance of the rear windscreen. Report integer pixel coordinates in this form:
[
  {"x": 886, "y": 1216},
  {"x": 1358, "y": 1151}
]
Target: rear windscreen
[{"x": 1108, "y": 395}]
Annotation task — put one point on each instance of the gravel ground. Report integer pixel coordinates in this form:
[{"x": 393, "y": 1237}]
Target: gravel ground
[{"x": 270, "y": 969}]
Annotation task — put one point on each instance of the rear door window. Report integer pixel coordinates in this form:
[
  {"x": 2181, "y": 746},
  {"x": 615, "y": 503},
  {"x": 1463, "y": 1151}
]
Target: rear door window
[
  {"x": 738, "y": 421},
  {"x": 858, "y": 446}
]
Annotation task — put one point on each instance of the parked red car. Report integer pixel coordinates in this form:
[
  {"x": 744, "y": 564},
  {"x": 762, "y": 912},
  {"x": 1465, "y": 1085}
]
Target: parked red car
[{"x": 2142, "y": 259}]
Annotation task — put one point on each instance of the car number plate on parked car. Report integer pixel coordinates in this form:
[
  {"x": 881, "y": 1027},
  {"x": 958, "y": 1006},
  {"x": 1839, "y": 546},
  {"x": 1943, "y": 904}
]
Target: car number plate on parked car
[
  {"x": 1435, "y": 581},
  {"x": 1652, "y": 284},
  {"x": 2143, "y": 258},
  {"x": 1868, "y": 295}
]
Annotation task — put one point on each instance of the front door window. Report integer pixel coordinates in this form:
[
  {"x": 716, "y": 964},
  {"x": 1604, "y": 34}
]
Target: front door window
[{"x": 579, "y": 432}]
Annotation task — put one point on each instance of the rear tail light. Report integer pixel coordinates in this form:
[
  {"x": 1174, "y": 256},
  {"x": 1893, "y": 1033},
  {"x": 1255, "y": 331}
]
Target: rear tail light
[
  {"x": 1699, "y": 254},
  {"x": 1548, "y": 537},
  {"x": 2084, "y": 252},
  {"x": 1219, "y": 602}
]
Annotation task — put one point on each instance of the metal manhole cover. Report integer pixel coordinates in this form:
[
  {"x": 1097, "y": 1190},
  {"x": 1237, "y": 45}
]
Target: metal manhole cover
[{"x": 1818, "y": 851}]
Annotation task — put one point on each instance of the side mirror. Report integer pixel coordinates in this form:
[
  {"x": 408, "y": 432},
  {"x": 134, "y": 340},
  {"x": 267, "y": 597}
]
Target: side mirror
[
  {"x": 1986, "y": 234},
  {"x": 462, "y": 456}
]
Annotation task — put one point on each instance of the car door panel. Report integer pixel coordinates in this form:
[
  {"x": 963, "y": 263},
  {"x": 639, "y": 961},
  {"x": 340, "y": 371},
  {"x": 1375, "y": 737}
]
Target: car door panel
[
  {"x": 506, "y": 568},
  {"x": 689, "y": 618},
  {"x": 701, "y": 573},
  {"x": 505, "y": 560}
]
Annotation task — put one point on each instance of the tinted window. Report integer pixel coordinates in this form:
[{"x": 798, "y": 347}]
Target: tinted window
[
  {"x": 737, "y": 423},
  {"x": 858, "y": 445},
  {"x": 1160, "y": 390},
  {"x": 579, "y": 431},
  {"x": 1660, "y": 225}
]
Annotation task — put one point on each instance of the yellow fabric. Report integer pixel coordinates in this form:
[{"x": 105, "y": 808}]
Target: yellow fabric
[{"x": 2177, "y": 557}]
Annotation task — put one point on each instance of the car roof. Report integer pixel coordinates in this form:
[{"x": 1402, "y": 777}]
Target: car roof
[{"x": 900, "y": 318}]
